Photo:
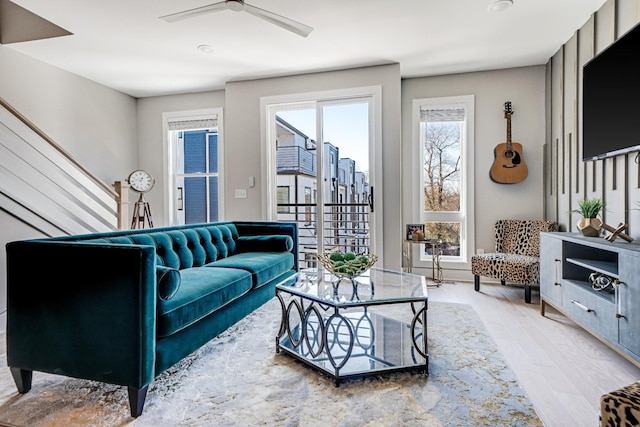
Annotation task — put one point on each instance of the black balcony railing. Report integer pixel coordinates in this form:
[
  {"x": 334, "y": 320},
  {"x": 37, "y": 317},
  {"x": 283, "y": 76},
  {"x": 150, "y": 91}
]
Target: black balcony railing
[{"x": 346, "y": 228}]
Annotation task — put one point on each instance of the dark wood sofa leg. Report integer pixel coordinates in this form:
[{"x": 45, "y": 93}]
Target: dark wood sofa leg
[
  {"x": 527, "y": 294},
  {"x": 22, "y": 378},
  {"x": 503, "y": 282},
  {"x": 136, "y": 400},
  {"x": 476, "y": 282}
]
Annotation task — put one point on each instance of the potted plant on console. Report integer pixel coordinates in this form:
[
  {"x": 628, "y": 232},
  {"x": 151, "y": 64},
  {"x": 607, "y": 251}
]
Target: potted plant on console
[{"x": 590, "y": 225}]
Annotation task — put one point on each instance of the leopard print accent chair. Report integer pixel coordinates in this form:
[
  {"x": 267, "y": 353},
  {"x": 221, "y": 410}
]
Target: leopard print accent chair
[
  {"x": 517, "y": 255},
  {"x": 621, "y": 408}
]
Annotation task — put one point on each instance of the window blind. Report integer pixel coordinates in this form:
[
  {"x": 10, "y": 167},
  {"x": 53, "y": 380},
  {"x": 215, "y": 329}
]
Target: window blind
[
  {"x": 442, "y": 115},
  {"x": 193, "y": 123}
]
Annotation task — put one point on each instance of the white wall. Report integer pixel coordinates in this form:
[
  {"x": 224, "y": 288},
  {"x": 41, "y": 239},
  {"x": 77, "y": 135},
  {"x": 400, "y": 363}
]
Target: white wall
[
  {"x": 150, "y": 140},
  {"x": 95, "y": 124},
  {"x": 525, "y": 88},
  {"x": 114, "y": 136},
  {"x": 243, "y": 136}
]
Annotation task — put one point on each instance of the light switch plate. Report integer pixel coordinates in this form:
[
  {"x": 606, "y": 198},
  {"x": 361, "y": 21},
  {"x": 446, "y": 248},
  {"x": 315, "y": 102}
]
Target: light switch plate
[{"x": 241, "y": 193}]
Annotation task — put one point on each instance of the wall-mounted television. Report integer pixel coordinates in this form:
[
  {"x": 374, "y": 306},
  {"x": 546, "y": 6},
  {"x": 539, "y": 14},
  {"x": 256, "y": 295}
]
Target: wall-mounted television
[{"x": 611, "y": 99}]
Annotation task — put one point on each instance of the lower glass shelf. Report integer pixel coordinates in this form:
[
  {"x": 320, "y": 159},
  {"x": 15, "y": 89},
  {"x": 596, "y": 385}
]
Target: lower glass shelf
[{"x": 360, "y": 344}]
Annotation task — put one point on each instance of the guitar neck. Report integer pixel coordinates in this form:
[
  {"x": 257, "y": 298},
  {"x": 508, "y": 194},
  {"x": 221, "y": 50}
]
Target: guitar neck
[{"x": 508, "y": 131}]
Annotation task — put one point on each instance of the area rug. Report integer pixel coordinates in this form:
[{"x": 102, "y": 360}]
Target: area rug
[{"x": 238, "y": 380}]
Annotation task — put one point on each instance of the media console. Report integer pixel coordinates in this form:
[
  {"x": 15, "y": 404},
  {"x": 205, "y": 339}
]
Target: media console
[{"x": 570, "y": 263}]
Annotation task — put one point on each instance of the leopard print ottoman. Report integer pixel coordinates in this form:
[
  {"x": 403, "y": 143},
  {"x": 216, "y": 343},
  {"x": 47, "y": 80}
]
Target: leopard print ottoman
[{"x": 621, "y": 408}]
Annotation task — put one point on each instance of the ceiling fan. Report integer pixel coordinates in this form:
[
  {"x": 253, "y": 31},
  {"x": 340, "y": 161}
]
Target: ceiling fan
[{"x": 238, "y": 6}]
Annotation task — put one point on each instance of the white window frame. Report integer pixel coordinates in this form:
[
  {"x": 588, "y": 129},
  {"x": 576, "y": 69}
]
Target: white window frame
[
  {"x": 466, "y": 214},
  {"x": 170, "y": 190},
  {"x": 269, "y": 105}
]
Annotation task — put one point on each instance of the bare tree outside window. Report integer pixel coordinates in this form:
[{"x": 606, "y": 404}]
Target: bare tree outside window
[{"x": 442, "y": 180}]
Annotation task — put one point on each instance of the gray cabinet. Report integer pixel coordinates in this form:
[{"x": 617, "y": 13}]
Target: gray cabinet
[
  {"x": 570, "y": 263},
  {"x": 551, "y": 269}
]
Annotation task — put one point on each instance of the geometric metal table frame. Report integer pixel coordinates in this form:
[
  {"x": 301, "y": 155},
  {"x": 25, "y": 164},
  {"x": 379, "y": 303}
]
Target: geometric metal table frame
[{"x": 328, "y": 324}]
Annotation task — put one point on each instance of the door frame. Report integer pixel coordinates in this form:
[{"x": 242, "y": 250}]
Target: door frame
[{"x": 268, "y": 107}]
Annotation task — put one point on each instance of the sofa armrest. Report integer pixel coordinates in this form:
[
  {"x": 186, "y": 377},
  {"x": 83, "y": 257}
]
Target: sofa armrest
[
  {"x": 82, "y": 310},
  {"x": 278, "y": 243}
]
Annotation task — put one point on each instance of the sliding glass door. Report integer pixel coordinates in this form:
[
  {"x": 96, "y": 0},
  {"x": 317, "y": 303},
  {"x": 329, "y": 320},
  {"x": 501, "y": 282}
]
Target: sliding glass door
[{"x": 324, "y": 173}]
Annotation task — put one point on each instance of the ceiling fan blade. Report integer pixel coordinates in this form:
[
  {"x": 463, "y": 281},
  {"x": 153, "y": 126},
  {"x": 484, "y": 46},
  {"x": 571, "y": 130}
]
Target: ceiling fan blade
[
  {"x": 186, "y": 14},
  {"x": 281, "y": 21}
]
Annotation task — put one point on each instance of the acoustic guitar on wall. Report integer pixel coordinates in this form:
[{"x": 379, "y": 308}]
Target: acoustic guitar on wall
[{"x": 508, "y": 165}]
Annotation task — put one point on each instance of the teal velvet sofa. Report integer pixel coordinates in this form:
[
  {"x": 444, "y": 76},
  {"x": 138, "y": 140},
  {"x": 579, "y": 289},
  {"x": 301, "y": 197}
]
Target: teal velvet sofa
[{"x": 124, "y": 306}]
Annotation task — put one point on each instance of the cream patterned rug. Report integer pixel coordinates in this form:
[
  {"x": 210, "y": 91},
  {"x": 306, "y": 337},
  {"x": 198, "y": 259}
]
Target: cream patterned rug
[{"x": 238, "y": 380}]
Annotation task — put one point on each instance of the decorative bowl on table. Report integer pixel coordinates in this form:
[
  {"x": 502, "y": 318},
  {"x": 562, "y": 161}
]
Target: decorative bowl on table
[{"x": 346, "y": 265}]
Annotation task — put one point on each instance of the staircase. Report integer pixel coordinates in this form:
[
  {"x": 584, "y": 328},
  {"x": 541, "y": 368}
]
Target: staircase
[{"x": 44, "y": 186}]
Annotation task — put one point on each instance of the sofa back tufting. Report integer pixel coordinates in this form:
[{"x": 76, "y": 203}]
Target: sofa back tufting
[{"x": 180, "y": 249}]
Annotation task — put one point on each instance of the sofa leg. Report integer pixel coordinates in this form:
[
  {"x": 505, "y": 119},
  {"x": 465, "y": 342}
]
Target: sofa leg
[
  {"x": 527, "y": 294},
  {"x": 476, "y": 283},
  {"x": 136, "y": 400},
  {"x": 503, "y": 282},
  {"x": 22, "y": 378}
]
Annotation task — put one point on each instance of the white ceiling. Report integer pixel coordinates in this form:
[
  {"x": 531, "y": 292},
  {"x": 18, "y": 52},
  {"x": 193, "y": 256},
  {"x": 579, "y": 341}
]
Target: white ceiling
[{"x": 124, "y": 45}]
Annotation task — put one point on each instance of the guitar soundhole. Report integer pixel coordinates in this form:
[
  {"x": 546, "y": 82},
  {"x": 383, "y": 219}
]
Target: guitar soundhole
[{"x": 508, "y": 154}]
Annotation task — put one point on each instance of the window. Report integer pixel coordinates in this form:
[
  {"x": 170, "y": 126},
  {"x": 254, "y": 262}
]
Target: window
[
  {"x": 307, "y": 203},
  {"x": 444, "y": 131},
  {"x": 283, "y": 198},
  {"x": 198, "y": 176},
  {"x": 194, "y": 159}
]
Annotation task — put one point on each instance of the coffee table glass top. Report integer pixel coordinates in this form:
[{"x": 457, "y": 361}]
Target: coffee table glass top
[{"x": 375, "y": 286}]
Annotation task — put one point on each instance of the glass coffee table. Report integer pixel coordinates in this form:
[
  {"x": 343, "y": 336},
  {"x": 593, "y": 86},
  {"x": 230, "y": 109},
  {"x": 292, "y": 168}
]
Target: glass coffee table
[{"x": 342, "y": 327}]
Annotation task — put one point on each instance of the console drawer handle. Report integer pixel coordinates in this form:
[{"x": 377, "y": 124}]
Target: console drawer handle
[
  {"x": 581, "y": 306},
  {"x": 616, "y": 284}
]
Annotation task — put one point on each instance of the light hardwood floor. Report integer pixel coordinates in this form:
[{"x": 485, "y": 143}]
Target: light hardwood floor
[{"x": 563, "y": 369}]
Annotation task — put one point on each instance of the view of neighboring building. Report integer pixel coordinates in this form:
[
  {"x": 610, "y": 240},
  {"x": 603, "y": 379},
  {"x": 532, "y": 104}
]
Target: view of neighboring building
[{"x": 345, "y": 194}]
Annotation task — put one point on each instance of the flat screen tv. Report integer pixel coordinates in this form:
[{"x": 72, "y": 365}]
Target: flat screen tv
[{"x": 611, "y": 100}]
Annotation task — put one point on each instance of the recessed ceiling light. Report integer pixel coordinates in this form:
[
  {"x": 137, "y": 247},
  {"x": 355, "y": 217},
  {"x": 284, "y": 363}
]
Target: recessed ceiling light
[
  {"x": 205, "y": 48},
  {"x": 500, "y": 5}
]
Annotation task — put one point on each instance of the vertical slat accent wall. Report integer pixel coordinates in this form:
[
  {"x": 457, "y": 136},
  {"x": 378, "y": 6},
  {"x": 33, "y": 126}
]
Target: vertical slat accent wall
[
  {"x": 557, "y": 135},
  {"x": 567, "y": 178}
]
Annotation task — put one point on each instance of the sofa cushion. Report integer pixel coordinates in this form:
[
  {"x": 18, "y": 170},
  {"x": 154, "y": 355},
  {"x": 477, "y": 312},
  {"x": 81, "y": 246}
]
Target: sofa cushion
[
  {"x": 202, "y": 291},
  {"x": 511, "y": 267},
  {"x": 168, "y": 280},
  {"x": 263, "y": 266},
  {"x": 266, "y": 243}
]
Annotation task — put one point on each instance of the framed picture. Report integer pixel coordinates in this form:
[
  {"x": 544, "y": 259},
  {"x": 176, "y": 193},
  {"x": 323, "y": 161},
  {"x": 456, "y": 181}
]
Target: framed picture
[{"x": 412, "y": 229}]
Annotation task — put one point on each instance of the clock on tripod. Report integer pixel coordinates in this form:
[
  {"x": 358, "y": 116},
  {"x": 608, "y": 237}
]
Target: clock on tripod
[{"x": 141, "y": 182}]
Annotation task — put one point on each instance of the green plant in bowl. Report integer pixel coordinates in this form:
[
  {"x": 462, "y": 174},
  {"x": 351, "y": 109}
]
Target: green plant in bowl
[
  {"x": 589, "y": 208},
  {"x": 589, "y": 225}
]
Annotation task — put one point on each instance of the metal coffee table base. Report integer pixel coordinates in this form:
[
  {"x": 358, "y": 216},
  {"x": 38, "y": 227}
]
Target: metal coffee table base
[{"x": 351, "y": 343}]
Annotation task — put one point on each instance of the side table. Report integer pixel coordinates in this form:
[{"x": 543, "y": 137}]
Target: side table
[{"x": 436, "y": 269}]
